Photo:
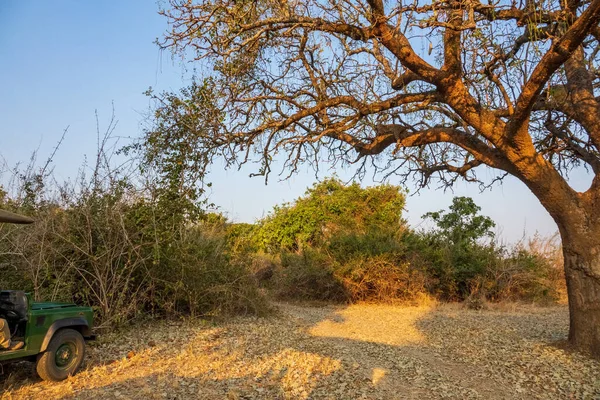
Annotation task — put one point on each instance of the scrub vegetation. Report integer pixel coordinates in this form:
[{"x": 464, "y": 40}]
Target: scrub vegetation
[
  {"x": 136, "y": 242},
  {"x": 349, "y": 244}
]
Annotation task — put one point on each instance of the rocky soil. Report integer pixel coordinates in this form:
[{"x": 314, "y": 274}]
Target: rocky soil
[{"x": 355, "y": 352}]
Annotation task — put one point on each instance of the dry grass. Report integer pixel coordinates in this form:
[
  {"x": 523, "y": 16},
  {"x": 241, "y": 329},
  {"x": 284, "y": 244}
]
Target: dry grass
[{"x": 361, "y": 351}]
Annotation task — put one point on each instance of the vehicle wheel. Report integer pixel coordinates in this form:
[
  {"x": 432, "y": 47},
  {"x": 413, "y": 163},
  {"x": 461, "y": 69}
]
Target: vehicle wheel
[{"x": 63, "y": 357}]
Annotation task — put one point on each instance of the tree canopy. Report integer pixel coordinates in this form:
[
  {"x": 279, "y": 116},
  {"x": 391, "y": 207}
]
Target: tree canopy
[
  {"x": 462, "y": 223},
  {"x": 439, "y": 87}
]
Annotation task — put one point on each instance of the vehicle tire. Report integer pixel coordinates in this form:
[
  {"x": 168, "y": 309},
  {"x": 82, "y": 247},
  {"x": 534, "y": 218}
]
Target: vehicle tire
[{"x": 63, "y": 357}]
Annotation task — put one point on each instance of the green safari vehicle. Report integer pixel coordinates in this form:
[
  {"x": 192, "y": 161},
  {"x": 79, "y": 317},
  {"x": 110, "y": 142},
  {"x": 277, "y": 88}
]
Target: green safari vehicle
[{"x": 54, "y": 334}]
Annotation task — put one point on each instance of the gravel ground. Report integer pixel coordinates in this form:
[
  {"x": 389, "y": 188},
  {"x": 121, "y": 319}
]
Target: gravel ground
[{"x": 361, "y": 351}]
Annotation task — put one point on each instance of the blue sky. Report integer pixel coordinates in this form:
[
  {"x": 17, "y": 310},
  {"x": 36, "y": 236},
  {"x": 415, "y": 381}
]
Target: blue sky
[{"x": 62, "y": 60}]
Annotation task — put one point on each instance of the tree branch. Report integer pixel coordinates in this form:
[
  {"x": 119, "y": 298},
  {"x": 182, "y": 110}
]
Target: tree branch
[
  {"x": 399, "y": 45},
  {"x": 452, "y": 44},
  {"x": 560, "y": 51},
  {"x": 401, "y": 136}
]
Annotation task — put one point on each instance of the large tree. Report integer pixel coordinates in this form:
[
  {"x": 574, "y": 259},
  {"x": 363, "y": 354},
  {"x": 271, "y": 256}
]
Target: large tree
[{"x": 434, "y": 89}]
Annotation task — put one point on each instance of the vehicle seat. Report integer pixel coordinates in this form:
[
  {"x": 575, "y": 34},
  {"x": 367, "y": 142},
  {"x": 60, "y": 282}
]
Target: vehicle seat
[{"x": 18, "y": 299}]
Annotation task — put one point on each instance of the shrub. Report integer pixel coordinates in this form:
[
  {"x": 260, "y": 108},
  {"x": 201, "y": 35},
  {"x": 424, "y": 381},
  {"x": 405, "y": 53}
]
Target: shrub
[
  {"x": 125, "y": 249},
  {"x": 327, "y": 210},
  {"x": 375, "y": 242},
  {"x": 380, "y": 278},
  {"x": 458, "y": 260},
  {"x": 198, "y": 275},
  {"x": 308, "y": 276},
  {"x": 487, "y": 271},
  {"x": 524, "y": 273}
]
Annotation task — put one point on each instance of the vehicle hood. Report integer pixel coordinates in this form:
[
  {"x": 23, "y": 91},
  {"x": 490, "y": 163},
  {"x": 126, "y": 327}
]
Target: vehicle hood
[{"x": 46, "y": 306}]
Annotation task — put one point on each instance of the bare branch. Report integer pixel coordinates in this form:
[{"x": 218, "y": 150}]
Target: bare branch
[{"x": 560, "y": 52}]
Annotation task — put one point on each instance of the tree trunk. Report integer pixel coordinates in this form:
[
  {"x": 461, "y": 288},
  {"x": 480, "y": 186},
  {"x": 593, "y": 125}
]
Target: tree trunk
[{"x": 582, "y": 272}]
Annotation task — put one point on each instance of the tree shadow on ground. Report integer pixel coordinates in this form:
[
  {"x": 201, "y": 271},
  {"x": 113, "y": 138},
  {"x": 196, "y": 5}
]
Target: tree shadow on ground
[{"x": 346, "y": 352}]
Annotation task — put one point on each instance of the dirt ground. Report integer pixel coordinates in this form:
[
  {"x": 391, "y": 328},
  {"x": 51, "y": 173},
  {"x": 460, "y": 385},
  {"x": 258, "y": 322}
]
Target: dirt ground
[{"x": 355, "y": 352}]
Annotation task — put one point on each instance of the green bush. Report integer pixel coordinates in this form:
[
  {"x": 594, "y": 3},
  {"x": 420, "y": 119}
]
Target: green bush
[
  {"x": 458, "y": 260},
  {"x": 462, "y": 261},
  {"x": 198, "y": 275},
  {"x": 316, "y": 275},
  {"x": 308, "y": 276},
  {"x": 345, "y": 247},
  {"x": 452, "y": 271},
  {"x": 330, "y": 209}
]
